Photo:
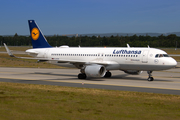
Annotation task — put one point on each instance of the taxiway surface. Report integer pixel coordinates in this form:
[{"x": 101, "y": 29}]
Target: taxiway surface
[{"x": 166, "y": 82}]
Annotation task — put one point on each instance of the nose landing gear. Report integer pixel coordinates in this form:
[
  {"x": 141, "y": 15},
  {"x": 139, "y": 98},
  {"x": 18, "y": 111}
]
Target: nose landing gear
[{"x": 150, "y": 78}]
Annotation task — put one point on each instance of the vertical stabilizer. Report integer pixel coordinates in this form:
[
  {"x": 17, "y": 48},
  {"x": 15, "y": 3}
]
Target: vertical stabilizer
[{"x": 37, "y": 37}]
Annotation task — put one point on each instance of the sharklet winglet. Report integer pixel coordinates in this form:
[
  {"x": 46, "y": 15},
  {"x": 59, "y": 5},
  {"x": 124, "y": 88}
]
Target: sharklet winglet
[{"x": 8, "y": 51}]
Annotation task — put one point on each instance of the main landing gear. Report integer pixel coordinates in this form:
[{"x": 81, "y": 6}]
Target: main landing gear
[
  {"x": 108, "y": 74},
  {"x": 81, "y": 76},
  {"x": 150, "y": 78}
]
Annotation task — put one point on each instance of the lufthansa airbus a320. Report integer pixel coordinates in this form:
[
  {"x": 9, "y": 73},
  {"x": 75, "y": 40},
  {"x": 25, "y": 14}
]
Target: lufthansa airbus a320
[{"x": 98, "y": 62}]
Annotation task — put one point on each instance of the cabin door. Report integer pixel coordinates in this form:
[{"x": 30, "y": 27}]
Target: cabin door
[
  {"x": 145, "y": 57},
  {"x": 46, "y": 53}
]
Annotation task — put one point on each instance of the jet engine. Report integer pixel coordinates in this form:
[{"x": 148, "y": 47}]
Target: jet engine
[
  {"x": 133, "y": 72},
  {"x": 95, "y": 70}
]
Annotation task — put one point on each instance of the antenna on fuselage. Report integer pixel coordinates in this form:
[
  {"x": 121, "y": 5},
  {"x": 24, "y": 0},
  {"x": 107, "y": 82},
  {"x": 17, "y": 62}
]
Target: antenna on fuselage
[{"x": 128, "y": 46}]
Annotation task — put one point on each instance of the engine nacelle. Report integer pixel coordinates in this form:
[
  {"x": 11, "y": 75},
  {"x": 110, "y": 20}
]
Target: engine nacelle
[
  {"x": 95, "y": 70},
  {"x": 133, "y": 72}
]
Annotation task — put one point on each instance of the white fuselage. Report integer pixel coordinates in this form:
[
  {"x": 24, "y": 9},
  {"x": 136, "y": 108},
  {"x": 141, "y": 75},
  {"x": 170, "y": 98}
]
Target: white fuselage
[{"x": 144, "y": 59}]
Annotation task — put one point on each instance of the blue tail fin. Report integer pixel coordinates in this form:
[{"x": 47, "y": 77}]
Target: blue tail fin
[{"x": 37, "y": 38}]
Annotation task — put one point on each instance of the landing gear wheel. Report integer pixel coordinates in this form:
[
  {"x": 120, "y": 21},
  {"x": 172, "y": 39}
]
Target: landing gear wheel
[
  {"x": 150, "y": 79},
  {"x": 81, "y": 76},
  {"x": 108, "y": 74}
]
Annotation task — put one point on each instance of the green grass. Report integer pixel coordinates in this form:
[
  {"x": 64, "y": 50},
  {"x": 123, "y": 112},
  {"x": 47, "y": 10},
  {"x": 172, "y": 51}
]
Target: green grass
[
  {"x": 17, "y": 48},
  {"x": 43, "y": 102},
  {"x": 171, "y": 50},
  {"x": 7, "y": 61}
]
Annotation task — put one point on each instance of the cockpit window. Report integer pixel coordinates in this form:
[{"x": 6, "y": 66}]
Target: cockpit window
[
  {"x": 157, "y": 55},
  {"x": 166, "y": 55},
  {"x": 161, "y": 55}
]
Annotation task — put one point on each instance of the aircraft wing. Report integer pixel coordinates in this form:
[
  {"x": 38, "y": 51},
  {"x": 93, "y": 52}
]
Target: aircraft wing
[
  {"x": 10, "y": 54},
  {"x": 95, "y": 61}
]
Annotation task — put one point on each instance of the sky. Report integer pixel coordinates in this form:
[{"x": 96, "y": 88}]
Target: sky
[{"x": 90, "y": 16}]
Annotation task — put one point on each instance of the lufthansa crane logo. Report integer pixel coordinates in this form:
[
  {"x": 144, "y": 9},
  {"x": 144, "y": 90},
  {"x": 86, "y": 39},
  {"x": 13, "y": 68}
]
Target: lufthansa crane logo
[
  {"x": 35, "y": 33},
  {"x": 156, "y": 61}
]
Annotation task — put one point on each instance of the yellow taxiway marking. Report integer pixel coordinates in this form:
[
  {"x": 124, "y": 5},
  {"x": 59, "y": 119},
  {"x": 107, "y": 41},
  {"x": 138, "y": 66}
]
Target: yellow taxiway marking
[
  {"x": 111, "y": 84},
  {"x": 18, "y": 78},
  {"x": 83, "y": 83}
]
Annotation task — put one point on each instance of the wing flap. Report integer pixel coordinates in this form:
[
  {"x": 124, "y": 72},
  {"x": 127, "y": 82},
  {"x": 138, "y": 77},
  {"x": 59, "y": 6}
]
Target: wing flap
[{"x": 100, "y": 62}]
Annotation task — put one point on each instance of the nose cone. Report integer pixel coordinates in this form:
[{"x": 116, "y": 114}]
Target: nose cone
[{"x": 172, "y": 62}]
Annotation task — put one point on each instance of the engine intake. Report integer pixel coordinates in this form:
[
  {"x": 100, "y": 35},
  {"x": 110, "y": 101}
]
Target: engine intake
[{"x": 95, "y": 70}]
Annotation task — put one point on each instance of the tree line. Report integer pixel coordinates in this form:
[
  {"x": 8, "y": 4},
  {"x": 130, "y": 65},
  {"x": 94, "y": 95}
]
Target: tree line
[{"x": 97, "y": 41}]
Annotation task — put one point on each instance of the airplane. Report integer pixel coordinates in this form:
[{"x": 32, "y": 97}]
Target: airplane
[{"x": 98, "y": 61}]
